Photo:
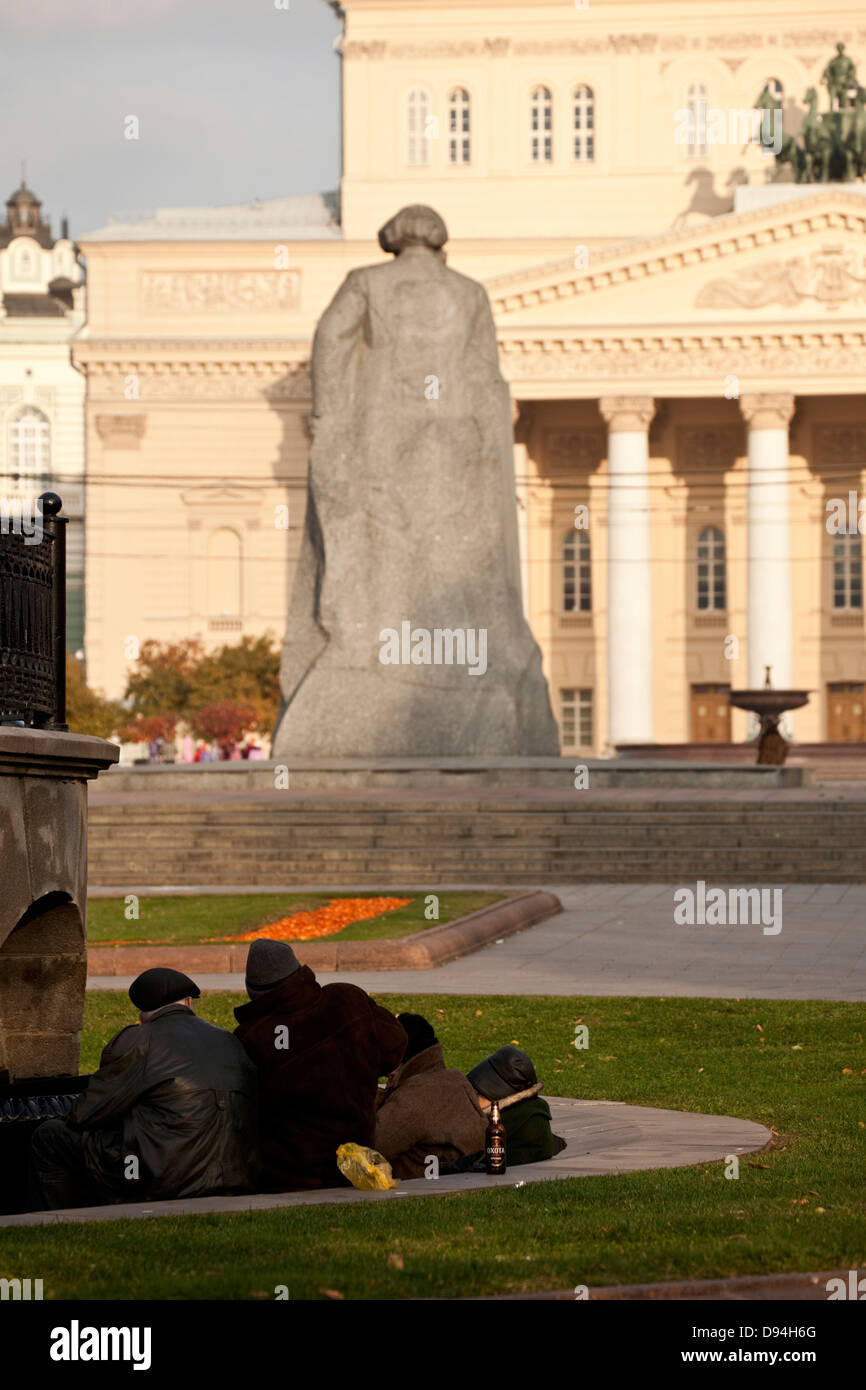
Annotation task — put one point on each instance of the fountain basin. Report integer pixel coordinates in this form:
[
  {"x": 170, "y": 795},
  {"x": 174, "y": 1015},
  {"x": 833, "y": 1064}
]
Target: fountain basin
[{"x": 769, "y": 703}]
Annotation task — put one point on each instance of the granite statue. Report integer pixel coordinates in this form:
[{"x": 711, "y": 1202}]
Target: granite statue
[{"x": 406, "y": 634}]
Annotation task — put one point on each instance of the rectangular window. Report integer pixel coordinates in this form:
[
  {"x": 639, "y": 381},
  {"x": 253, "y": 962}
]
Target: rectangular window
[{"x": 576, "y": 722}]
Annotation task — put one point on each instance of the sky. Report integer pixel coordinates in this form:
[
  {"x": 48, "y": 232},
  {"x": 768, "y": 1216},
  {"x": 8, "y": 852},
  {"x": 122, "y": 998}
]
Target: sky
[{"x": 235, "y": 100}]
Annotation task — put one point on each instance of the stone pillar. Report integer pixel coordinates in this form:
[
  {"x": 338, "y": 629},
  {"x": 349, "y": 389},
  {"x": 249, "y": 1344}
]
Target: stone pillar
[
  {"x": 768, "y": 603},
  {"x": 43, "y": 959},
  {"x": 629, "y": 577}
]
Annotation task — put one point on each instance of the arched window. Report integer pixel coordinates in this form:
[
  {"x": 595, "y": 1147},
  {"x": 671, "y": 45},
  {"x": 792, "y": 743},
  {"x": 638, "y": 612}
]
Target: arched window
[
  {"x": 30, "y": 443},
  {"x": 576, "y": 573},
  {"x": 224, "y": 574},
  {"x": 848, "y": 571},
  {"x": 542, "y": 126},
  {"x": 711, "y": 592},
  {"x": 584, "y": 125},
  {"x": 696, "y": 110},
  {"x": 418, "y": 129},
  {"x": 459, "y": 132}
]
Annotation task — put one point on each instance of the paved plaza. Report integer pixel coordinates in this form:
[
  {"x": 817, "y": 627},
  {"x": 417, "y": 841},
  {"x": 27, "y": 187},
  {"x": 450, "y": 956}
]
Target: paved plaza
[{"x": 622, "y": 939}]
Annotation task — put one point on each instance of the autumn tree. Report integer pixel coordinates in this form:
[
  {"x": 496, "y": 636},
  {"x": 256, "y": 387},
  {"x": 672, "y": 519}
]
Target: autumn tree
[
  {"x": 163, "y": 680},
  {"x": 224, "y": 722},
  {"x": 247, "y": 673},
  {"x": 88, "y": 711}
]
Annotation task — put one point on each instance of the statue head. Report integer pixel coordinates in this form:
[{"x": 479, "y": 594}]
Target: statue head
[
  {"x": 840, "y": 49},
  {"x": 416, "y": 225}
]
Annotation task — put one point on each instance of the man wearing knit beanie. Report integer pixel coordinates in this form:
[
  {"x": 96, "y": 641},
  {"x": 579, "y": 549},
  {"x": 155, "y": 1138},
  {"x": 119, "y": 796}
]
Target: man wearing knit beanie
[{"x": 320, "y": 1051}]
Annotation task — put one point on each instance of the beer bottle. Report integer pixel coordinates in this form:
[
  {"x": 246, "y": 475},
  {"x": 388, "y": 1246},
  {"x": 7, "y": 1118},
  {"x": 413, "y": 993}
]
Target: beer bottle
[{"x": 494, "y": 1142}]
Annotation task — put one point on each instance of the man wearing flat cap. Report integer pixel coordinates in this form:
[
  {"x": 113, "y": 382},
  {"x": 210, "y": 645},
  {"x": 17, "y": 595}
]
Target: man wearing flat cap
[{"x": 170, "y": 1113}]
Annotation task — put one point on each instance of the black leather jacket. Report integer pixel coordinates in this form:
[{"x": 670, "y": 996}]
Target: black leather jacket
[{"x": 184, "y": 1095}]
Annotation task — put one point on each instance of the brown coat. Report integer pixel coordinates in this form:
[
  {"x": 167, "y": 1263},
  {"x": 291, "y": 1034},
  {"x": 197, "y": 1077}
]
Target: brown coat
[
  {"x": 320, "y": 1091},
  {"x": 428, "y": 1108}
]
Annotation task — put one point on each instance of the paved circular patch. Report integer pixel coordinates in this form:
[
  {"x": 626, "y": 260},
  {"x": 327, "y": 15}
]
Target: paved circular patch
[{"x": 603, "y": 1137}]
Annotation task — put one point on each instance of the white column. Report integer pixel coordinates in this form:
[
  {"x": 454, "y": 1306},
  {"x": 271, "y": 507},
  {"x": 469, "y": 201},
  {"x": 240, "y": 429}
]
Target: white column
[
  {"x": 521, "y": 489},
  {"x": 629, "y": 570},
  {"x": 768, "y": 602}
]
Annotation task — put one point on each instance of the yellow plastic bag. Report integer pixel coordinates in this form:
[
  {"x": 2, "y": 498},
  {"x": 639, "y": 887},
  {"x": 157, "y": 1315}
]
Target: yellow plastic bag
[{"x": 365, "y": 1168}]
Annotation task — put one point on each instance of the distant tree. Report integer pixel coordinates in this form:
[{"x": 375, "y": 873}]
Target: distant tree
[
  {"x": 147, "y": 728},
  {"x": 88, "y": 711},
  {"x": 247, "y": 673},
  {"x": 164, "y": 677},
  {"x": 224, "y": 722}
]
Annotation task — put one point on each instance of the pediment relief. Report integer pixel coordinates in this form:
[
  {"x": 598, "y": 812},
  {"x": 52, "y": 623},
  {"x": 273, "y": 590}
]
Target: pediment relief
[
  {"x": 805, "y": 256},
  {"x": 830, "y": 277}
]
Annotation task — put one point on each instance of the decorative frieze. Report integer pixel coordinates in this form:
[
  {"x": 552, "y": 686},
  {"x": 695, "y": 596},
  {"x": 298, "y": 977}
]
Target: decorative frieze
[
  {"x": 358, "y": 48},
  {"x": 219, "y": 291},
  {"x": 678, "y": 357},
  {"x": 448, "y": 48},
  {"x": 121, "y": 431}
]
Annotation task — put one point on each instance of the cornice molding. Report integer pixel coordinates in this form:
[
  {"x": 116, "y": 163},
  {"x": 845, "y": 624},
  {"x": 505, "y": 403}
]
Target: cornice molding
[
  {"x": 86, "y": 350},
  {"x": 210, "y": 371}
]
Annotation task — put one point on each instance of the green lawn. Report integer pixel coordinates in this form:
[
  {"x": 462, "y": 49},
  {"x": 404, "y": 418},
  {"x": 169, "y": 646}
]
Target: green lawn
[
  {"x": 796, "y": 1067},
  {"x": 181, "y": 921}
]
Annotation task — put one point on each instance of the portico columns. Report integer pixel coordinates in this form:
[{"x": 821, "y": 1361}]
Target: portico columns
[
  {"x": 769, "y": 619},
  {"x": 629, "y": 577}
]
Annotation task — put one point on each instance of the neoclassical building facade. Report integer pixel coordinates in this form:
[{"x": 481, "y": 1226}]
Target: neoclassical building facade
[
  {"x": 41, "y": 392},
  {"x": 684, "y": 339}
]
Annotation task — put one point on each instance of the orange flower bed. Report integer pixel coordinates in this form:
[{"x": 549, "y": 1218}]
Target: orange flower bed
[{"x": 323, "y": 921}]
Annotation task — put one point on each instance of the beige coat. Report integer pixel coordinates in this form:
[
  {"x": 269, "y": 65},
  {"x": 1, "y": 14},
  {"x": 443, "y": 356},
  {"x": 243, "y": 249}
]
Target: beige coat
[{"x": 428, "y": 1109}]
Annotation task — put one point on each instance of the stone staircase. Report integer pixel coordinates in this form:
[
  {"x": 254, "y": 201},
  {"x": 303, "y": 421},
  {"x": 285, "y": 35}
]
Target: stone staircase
[{"x": 492, "y": 840}]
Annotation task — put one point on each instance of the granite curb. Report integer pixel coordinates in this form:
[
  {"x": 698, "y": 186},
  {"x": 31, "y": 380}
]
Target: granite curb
[
  {"x": 807, "y": 1287},
  {"x": 422, "y": 951}
]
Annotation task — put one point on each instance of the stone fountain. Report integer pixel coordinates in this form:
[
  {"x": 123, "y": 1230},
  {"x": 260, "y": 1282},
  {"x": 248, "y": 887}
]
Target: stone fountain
[{"x": 769, "y": 705}]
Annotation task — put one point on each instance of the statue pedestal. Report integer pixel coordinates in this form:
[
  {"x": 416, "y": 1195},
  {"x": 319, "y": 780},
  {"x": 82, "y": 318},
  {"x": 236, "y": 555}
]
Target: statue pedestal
[{"x": 43, "y": 834}]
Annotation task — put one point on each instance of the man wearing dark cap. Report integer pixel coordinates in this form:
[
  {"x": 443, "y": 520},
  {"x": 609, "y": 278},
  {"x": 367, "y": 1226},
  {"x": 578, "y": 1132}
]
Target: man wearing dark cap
[
  {"x": 170, "y": 1113},
  {"x": 509, "y": 1078},
  {"x": 320, "y": 1051},
  {"x": 428, "y": 1110}
]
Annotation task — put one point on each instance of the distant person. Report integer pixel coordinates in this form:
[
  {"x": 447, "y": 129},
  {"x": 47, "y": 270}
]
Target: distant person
[
  {"x": 508, "y": 1076},
  {"x": 170, "y": 1113},
  {"x": 255, "y": 751},
  {"x": 186, "y": 749},
  {"x": 320, "y": 1052},
  {"x": 427, "y": 1109}
]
